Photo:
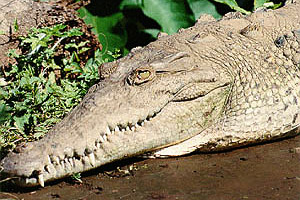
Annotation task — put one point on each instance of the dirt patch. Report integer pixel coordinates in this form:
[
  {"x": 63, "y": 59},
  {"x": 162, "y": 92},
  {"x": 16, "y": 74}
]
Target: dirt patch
[
  {"x": 27, "y": 14},
  {"x": 268, "y": 171}
]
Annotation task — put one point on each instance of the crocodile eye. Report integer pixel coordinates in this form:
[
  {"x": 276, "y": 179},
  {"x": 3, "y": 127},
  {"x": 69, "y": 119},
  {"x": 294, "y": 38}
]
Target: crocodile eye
[
  {"x": 143, "y": 74},
  {"x": 140, "y": 75}
]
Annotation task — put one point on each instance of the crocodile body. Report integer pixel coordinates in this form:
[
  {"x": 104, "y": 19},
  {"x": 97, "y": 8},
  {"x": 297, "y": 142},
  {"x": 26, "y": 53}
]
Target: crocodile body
[{"x": 214, "y": 86}]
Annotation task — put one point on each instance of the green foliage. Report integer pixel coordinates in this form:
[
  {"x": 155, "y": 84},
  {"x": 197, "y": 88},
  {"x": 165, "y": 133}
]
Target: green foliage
[
  {"x": 37, "y": 91},
  {"x": 203, "y": 7},
  {"x": 233, "y": 5},
  {"x": 115, "y": 28},
  {"x": 169, "y": 14},
  {"x": 109, "y": 30},
  {"x": 77, "y": 177}
]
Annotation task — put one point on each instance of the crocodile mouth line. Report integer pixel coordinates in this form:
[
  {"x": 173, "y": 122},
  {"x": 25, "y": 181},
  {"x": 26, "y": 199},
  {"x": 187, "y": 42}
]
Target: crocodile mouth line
[{"x": 58, "y": 167}]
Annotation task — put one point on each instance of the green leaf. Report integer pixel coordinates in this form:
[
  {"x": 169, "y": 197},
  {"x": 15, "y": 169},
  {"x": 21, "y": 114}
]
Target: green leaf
[
  {"x": 152, "y": 32},
  {"x": 109, "y": 29},
  {"x": 200, "y": 7},
  {"x": 70, "y": 45},
  {"x": 16, "y": 25},
  {"x": 233, "y": 5},
  {"x": 21, "y": 121},
  {"x": 130, "y": 4},
  {"x": 82, "y": 50},
  {"x": 4, "y": 112},
  {"x": 259, "y": 3},
  {"x": 170, "y": 15},
  {"x": 52, "y": 79},
  {"x": 82, "y": 44},
  {"x": 73, "y": 32}
]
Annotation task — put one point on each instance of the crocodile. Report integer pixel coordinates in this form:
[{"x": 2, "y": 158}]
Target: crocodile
[{"x": 217, "y": 85}]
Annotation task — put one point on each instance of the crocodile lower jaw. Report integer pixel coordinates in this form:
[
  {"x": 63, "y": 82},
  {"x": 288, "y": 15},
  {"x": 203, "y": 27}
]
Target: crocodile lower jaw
[{"x": 92, "y": 158}]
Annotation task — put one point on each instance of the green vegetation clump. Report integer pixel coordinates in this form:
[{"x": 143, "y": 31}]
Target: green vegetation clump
[
  {"x": 46, "y": 81},
  {"x": 124, "y": 24}
]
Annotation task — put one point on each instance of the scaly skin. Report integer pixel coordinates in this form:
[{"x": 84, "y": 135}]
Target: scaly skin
[{"x": 214, "y": 86}]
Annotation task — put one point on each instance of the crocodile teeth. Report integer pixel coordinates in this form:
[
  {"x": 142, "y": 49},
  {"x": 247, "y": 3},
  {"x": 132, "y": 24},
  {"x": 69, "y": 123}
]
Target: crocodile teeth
[
  {"x": 101, "y": 139},
  {"x": 41, "y": 180},
  {"x": 104, "y": 137},
  {"x": 98, "y": 145},
  {"x": 50, "y": 169},
  {"x": 71, "y": 162},
  {"x": 133, "y": 128},
  {"x": 92, "y": 159},
  {"x": 127, "y": 128},
  {"x": 117, "y": 129},
  {"x": 68, "y": 165},
  {"x": 47, "y": 168},
  {"x": 49, "y": 159},
  {"x": 62, "y": 164},
  {"x": 85, "y": 160},
  {"x": 108, "y": 131},
  {"x": 56, "y": 159}
]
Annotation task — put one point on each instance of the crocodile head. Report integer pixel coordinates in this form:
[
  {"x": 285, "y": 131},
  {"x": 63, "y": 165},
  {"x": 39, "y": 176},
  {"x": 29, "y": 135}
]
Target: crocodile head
[{"x": 150, "y": 99}]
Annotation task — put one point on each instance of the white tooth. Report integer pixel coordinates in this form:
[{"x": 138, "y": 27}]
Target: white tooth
[
  {"x": 113, "y": 132},
  {"x": 85, "y": 160},
  {"x": 104, "y": 137},
  {"x": 68, "y": 166},
  {"x": 56, "y": 159},
  {"x": 123, "y": 130},
  {"x": 142, "y": 124},
  {"x": 49, "y": 159},
  {"x": 98, "y": 145},
  {"x": 51, "y": 169},
  {"x": 117, "y": 129},
  {"x": 133, "y": 128},
  {"x": 62, "y": 164},
  {"x": 127, "y": 128},
  {"x": 108, "y": 130},
  {"x": 31, "y": 180},
  {"x": 41, "y": 180},
  {"x": 74, "y": 161},
  {"x": 71, "y": 162},
  {"x": 101, "y": 138},
  {"x": 136, "y": 125},
  {"x": 47, "y": 169},
  {"x": 58, "y": 168},
  {"x": 92, "y": 159}
]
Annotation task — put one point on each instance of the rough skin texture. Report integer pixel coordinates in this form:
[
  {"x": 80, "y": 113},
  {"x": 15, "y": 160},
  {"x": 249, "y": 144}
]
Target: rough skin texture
[{"x": 214, "y": 86}]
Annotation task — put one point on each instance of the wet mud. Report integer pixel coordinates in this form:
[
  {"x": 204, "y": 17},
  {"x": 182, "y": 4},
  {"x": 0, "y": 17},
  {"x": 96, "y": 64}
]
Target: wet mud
[{"x": 268, "y": 171}]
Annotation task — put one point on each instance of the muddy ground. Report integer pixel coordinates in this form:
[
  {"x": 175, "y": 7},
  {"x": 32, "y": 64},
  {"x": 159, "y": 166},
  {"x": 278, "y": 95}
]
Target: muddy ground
[{"x": 268, "y": 171}]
